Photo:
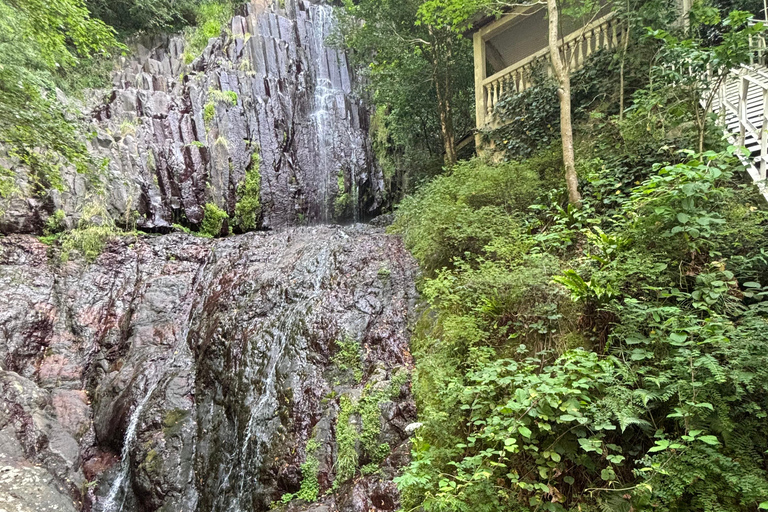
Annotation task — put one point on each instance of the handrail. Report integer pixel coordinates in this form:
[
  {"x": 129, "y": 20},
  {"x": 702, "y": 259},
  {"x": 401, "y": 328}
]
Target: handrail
[
  {"x": 576, "y": 47},
  {"x": 741, "y": 127}
]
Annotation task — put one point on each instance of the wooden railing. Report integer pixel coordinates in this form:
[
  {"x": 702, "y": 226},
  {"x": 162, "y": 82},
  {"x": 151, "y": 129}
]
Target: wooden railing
[
  {"x": 749, "y": 125},
  {"x": 575, "y": 49},
  {"x": 740, "y": 91}
]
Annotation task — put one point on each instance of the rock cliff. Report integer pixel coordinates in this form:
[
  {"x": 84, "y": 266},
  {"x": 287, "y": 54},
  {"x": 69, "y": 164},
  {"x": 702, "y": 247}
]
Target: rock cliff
[
  {"x": 177, "y": 373},
  {"x": 180, "y": 373},
  {"x": 177, "y": 133}
]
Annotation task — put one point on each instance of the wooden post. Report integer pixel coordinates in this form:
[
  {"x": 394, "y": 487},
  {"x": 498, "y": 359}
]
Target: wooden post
[
  {"x": 764, "y": 137},
  {"x": 480, "y": 96},
  {"x": 743, "y": 91}
]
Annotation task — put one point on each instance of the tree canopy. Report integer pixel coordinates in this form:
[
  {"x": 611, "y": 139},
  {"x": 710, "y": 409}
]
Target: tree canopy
[{"x": 40, "y": 42}]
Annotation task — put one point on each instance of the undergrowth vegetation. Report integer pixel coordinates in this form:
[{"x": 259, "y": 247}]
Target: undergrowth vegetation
[
  {"x": 599, "y": 357},
  {"x": 610, "y": 357}
]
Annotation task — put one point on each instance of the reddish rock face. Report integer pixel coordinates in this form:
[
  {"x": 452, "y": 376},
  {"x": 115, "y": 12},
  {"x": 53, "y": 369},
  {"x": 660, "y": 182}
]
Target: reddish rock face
[{"x": 181, "y": 373}]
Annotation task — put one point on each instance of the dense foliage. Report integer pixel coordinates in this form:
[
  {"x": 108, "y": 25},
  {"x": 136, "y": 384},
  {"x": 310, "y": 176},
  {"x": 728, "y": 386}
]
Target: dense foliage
[
  {"x": 610, "y": 357},
  {"x": 40, "y": 42},
  {"x": 599, "y": 360},
  {"x": 419, "y": 75}
]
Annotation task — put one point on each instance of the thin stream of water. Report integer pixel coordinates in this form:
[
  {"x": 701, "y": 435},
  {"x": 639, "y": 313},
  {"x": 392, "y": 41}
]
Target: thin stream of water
[{"x": 116, "y": 491}]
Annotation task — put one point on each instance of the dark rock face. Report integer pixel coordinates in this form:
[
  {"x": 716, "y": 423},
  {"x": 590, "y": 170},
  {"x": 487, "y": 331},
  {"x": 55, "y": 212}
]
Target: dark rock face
[
  {"x": 178, "y": 373},
  {"x": 178, "y": 136}
]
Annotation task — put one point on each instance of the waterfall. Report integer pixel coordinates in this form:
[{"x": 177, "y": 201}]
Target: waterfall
[
  {"x": 165, "y": 372},
  {"x": 326, "y": 103},
  {"x": 111, "y": 505},
  {"x": 285, "y": 325}
]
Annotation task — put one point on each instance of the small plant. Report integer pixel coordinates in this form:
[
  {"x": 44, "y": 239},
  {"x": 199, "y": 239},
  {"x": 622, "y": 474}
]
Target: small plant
[
  {"x": 370, "y": 415},
  {"x": 55, "y": 223},
  {"x": 217, "y": 96},
  {"x": 310, "y": 487},
  {"x": 346, "y": 443},
  {"x": 342, "y": 201},
  {"x": 196, "y": 143},
  {"x": 128, "y": 127},
  {"x": 183, "y": 229},
  {"x": 248, "y": 204},
  {"x": 349, "y": 358},
  {"x": 213, "y": 220},
  {"x": 384, "y": 273},
  {"x": 209, "y": 110},
  {"x": 94, "y": 229}
]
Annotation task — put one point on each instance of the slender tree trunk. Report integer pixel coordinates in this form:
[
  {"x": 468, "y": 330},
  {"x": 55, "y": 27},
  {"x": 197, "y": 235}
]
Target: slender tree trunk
[
  {"x": 442, "y": 77},
  {"x": 446, "y": 120},
  {"x": 623, "y": 62},
  {"x": 562, "y": 74}
]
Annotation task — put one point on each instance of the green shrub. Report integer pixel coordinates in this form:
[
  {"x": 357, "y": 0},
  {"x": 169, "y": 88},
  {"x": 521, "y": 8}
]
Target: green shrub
[
  {"x": 209, "y": 111},
  {"x": 346, "y": 443},
  {"x": 348, "y": 358},
  {"x": 211, "y": 18},
  {"x": 591, "y": 349},
  {"x": 310, "y": 486},
  {"x": 464, "y": 211},
  {"x": 229, "y": 97},
  {"x": 342, "y": 201},
  {"x": 55, "y": 223},
  {"x": 213, "y": 220},
  {"x": 94, "y": 229},
  {"x": 248, "y": 207}
]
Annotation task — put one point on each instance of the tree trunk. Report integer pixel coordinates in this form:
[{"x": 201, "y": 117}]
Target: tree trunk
[
  {"x": 562, "y": 74},
  {"x": 446, "y": 127},
  {"x": 441, "y": 74}
]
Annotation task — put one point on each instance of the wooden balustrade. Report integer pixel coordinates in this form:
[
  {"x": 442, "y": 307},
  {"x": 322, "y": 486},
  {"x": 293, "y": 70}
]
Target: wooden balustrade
[{"x": 604, "y": 33}]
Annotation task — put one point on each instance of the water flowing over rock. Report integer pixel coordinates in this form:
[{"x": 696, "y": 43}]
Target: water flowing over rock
[
  {"x": 177, "y": 373},
  {"x": 179, "y": 135}
]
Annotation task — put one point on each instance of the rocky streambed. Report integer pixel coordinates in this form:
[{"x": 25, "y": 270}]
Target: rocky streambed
[{"x": 179, "y": 373}]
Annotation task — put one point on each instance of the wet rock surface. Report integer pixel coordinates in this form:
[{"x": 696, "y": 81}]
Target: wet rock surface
[
  {"x": 180, "y": 373},
  {"x": 178, "y": 134}
]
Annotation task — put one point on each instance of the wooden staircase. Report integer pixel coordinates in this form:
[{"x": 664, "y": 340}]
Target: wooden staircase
[{"x": 742, "y": 106}]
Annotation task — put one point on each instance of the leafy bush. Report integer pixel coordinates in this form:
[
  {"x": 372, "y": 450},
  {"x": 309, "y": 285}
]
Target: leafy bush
[
  {"x": 348, "y": 358},
  {"x": 466, "y": 209},
  {"x": 210, "y": 18},
  {"x": 213, "y": 220},
  {"x": 310, "y": 486},
  {"x": 248, "y": 207},
  {"x": 346, "y": 443},
  {"x": 94, "y": 229}
]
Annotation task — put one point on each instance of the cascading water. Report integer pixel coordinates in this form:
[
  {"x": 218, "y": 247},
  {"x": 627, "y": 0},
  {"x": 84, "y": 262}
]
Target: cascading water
[
  {"x": 117, "y": 494},
  {"x": 329, "y": 104},
  {"x": 285, "y": 329},
  {"x": 116, "y": 497}
]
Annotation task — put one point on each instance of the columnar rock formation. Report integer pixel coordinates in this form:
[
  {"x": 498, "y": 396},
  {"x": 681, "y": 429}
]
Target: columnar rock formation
[
  {"x": 179, "y": 135},
  {"x": 179, "y": 373}
]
